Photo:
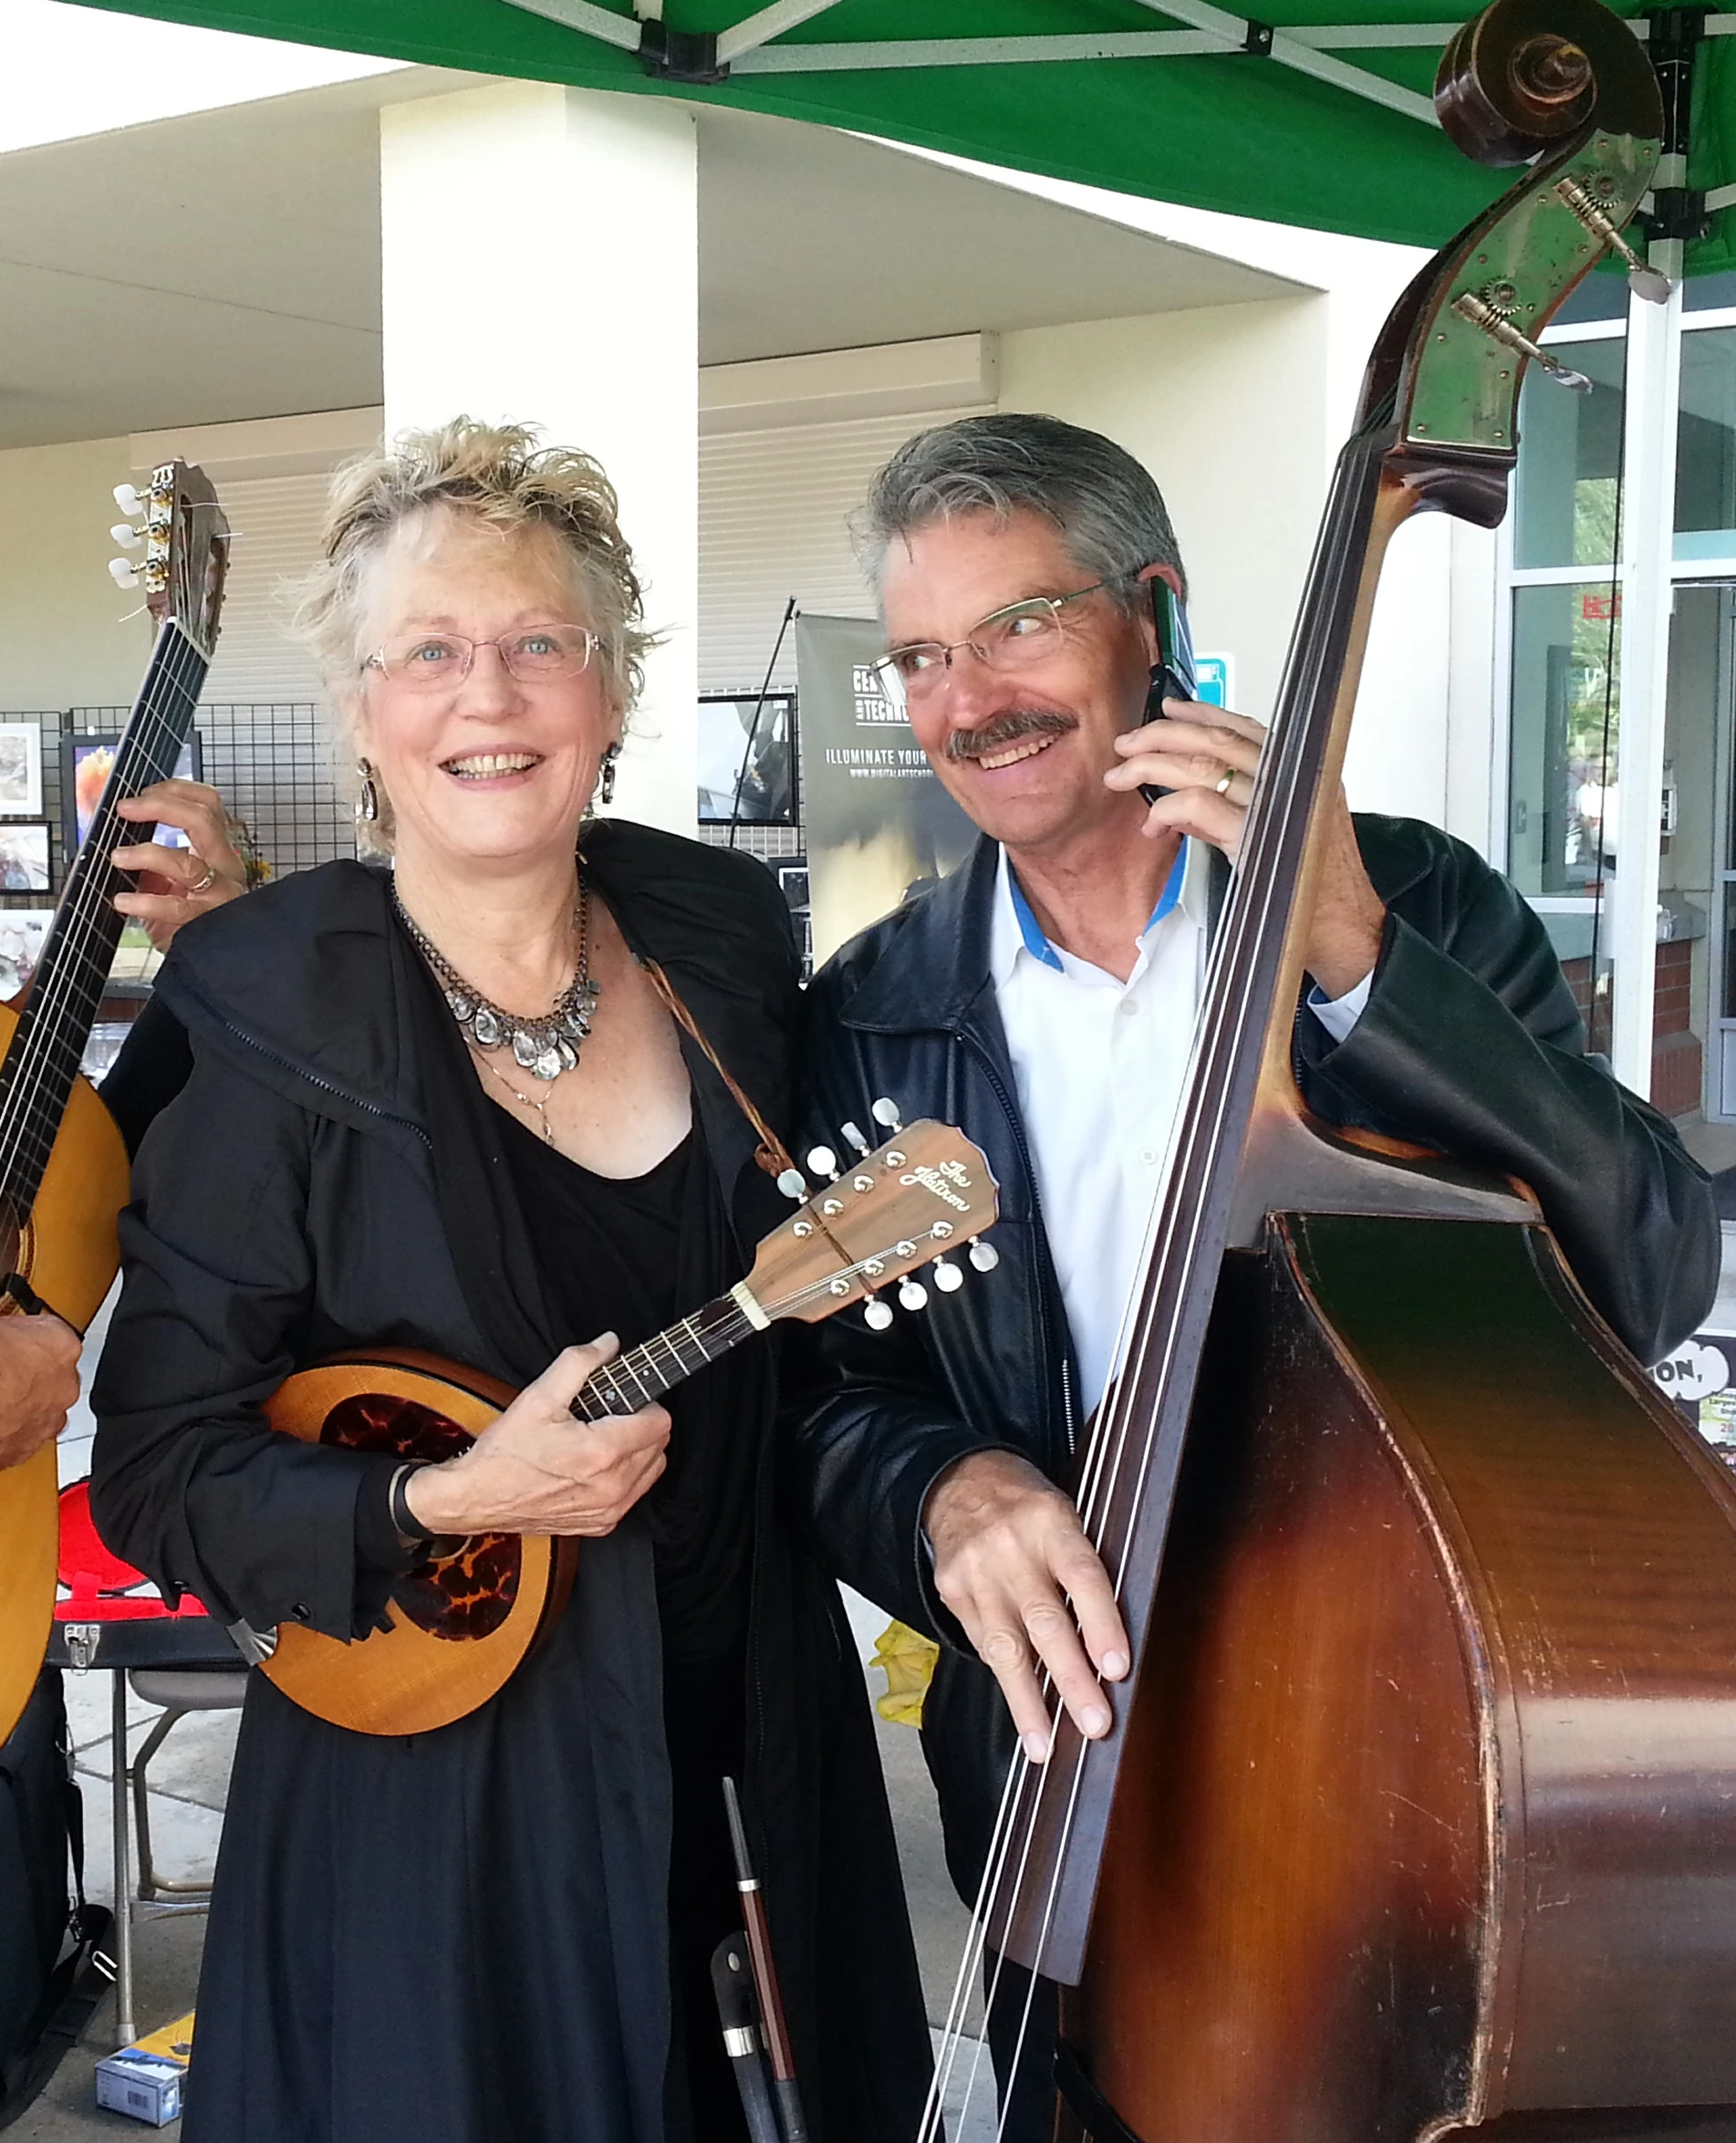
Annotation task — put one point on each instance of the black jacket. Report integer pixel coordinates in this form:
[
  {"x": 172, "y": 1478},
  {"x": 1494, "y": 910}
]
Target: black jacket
[
  {"x": 298, "y": 1197},
  {"x": 1470, "y": 1043}
]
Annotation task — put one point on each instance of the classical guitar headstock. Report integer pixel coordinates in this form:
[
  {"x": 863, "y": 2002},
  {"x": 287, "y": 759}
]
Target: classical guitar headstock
[
  {"x": 185, "y": 541},
  {"x": 926, "y": 1192}
]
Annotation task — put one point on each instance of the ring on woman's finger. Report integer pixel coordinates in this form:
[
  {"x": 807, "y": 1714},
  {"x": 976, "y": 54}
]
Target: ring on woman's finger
[
  {"x": 1221, "y": 787},
  {"x": 204, "y": 884}
]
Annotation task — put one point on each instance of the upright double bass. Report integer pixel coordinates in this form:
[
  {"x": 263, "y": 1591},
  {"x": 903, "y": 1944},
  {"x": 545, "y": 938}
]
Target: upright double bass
[{"x": 1418, "y": 1817}]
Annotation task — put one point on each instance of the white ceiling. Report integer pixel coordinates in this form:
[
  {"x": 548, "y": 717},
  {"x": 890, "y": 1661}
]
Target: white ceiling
[{"x": 226, "y": 264}]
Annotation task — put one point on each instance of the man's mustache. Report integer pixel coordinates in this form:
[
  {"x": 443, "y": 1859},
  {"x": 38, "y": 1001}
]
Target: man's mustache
[{"x": 1006, "y": 729}]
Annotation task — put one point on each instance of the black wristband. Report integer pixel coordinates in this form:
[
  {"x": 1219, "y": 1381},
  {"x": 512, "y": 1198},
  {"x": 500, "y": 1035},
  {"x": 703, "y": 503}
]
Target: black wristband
[{"x": 409, "y": 1528}]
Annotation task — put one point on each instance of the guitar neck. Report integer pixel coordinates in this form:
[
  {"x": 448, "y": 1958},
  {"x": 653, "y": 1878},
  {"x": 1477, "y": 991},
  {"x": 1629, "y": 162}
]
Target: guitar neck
[
  {"x": 49, "y": 1043},
  {"x": 644, "y": 1374}
]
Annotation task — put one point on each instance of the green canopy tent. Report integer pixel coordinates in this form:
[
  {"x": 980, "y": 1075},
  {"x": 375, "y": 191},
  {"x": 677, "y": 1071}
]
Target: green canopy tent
[{"x": 1318, "y": 115}]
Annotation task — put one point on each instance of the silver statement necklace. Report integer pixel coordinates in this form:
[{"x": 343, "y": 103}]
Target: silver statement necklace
[{"x": 545, "y": 1046}]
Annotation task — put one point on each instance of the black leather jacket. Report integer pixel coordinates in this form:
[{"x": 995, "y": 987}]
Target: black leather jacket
[{"x": 1470, "y": 1043}]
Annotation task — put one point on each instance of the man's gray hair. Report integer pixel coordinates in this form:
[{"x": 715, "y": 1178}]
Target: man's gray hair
[{"x": 1110, "y": 514}]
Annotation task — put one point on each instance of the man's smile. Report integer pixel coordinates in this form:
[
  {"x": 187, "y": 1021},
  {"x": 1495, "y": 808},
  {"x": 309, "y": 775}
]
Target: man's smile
[{"x": 1027, "y": 750}]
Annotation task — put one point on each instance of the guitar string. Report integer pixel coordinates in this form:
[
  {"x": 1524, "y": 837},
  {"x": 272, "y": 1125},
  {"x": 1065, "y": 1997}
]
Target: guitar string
[
  {"x": 46, "y": 1032},
  {"x": 85, "y": 915},
  {"x": 1272, "y": 826}
]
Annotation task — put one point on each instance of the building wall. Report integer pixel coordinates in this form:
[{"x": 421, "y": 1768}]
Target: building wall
[
  {"x": 1223, "y": 404},
  {"x": 65, "y": 636}
]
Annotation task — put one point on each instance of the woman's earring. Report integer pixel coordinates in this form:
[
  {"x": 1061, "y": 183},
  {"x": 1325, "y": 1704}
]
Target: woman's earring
[
  {"x": 605, "y": 786},
  {"x": 367, "y": 803}
]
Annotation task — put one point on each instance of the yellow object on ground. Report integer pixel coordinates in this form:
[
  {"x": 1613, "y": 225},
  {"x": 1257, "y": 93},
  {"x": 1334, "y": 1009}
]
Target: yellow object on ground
[{"x": 908, "y": 1659}]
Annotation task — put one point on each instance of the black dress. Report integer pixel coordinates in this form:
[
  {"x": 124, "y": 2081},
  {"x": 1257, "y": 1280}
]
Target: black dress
[
  {"x": 465, "y": 1935},
  {"x": 630, "y": 1254}
]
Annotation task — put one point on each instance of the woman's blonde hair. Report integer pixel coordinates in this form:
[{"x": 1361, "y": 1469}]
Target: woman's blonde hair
[{"x": 495, "y": 474}]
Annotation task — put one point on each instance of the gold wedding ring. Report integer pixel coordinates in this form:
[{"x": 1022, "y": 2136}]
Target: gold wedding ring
[
  {"x": 204, "y": 884},
  {"x": 1221, "y": 787}
]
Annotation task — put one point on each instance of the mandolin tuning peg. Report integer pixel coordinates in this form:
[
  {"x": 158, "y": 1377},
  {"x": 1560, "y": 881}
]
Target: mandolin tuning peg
[
  {"x": 886, "y": 1113},
  {"x": 984, "y": 1256},
  {"x": 946, "y": 1276},
  {"x": 854, "y": 1138},
  {"x": 823, "y": 1161},
  {"x": 127, "y": 499},
  {"x": 876, "y": 1315},
  {"x": 793, "y": 1183},
  {"x": 912, "y": 1295}
]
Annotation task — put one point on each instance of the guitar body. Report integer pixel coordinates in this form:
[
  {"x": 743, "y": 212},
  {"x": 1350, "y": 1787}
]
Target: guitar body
[
  {"x": 462, "y": 1623},
  {"x": 1427, "y": 1821},
  {"x": 68, "y": 1254}
]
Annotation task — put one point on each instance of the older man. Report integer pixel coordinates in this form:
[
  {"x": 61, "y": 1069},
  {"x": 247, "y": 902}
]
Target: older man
[{"x": 1044, "y": 997}]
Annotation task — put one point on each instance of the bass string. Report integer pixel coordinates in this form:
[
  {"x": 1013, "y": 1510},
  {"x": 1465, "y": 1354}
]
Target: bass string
[
  {"x": 1274, "y": 824},
  {"x": 32, "y": 1115}
]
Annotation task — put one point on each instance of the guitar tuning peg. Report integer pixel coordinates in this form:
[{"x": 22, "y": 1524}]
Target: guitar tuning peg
[
  {"x": 126, "y": 536},
  {"x": 127, "y": 499},
  {"x": 912, "y": 1295},
  {"x": 886, "y": 1113},
  {"x": 876, "y": 1315},
  {"x": 823, "y": 1161},
  {"x": 793, "y": 1183},
  {"x": 984, "y": 1256},
  {"x": 854, "y": 1138},
  {"x": 946, "y": 1276},
  {"x": 123, "y": 573}
]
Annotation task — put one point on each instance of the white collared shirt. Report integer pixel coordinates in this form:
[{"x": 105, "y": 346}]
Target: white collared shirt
[{"x": 1100, "y": 1064}]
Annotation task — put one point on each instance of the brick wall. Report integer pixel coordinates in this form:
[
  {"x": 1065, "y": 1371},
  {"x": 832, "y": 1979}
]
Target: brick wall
[{"x": 1676, "y": 1055}]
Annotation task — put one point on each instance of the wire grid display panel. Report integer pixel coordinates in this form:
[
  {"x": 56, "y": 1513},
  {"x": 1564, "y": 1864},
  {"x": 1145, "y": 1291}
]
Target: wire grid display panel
[
  {"x": 51, "y": 722},
  {"x": 271, "y": 762}
]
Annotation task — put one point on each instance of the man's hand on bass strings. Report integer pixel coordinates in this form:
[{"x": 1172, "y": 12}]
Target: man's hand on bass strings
[
  {"x": 1010, "y": 1556},
  {"x": 1207, "y": 758}
]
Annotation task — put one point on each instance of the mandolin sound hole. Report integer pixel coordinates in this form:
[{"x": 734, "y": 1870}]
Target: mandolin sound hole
[{"x": 469, "y": 1593}]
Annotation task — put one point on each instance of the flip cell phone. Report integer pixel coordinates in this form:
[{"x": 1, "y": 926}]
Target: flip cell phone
[{"x": 1172, "y": 673}]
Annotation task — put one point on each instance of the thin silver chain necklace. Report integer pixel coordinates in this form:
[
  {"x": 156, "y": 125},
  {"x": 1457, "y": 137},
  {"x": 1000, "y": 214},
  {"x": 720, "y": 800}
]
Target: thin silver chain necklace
[{"x": 544, "y": 1046}]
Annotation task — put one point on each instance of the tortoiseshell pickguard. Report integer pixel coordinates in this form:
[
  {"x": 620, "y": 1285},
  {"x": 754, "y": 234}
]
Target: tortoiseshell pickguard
[{"x": 470, "y": 1593}]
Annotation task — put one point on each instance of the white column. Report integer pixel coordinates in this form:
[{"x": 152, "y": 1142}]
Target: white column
[
  {"x": 1648, "y": 515},
  {"x": 540, "y": 262}
]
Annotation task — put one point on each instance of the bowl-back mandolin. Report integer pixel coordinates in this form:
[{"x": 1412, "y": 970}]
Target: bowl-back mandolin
[{"x": 463, "y": 1621}]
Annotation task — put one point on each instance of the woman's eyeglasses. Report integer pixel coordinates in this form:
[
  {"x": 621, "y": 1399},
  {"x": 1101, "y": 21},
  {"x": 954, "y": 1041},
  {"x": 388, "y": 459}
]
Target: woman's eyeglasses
[{"x": 437, "y": 661}]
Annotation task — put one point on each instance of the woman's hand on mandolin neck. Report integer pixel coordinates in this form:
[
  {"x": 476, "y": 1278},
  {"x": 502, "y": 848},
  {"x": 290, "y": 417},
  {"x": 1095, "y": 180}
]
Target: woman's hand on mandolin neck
[
  {"x": 1012, "y": 1563},
  {"x": 537, "y": 1469}
]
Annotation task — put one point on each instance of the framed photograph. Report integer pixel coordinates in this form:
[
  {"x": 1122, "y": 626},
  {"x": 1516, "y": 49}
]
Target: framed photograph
[
  {"x": 86, "y": 763},
  {"x": 747, "y": 760},
  {"x": 20, "y": 769},
  {"x": 23, "y": 858},
  {"x": 23, "y": 933}
]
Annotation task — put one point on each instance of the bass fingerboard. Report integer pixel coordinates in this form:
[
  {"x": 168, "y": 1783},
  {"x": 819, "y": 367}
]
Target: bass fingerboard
[
  {"x": 639, "y": 1378},
  {"x": 49, "y": 1043}
]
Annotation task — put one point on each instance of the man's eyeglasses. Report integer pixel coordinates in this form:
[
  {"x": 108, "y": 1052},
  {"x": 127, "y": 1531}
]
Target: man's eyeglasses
[
  {"x": 439, "y": 661},
  {"x": 1018, "y": 637}
]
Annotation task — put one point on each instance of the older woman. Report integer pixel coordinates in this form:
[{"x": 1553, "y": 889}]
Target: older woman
[{"x": 498, "y": 1930}]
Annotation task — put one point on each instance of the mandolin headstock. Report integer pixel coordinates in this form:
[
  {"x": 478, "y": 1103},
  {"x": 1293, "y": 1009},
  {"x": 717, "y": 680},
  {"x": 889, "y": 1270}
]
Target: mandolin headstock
[{"x": 925, "y": 1193}]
